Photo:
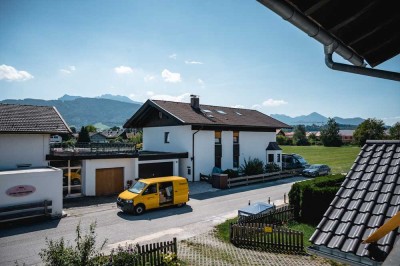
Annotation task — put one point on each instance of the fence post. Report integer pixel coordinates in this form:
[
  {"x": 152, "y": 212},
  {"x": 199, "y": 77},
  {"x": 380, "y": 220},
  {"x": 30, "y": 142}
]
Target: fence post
[
  {"x": 284, "y": 198},
  {"x": 269, "y": 200}
]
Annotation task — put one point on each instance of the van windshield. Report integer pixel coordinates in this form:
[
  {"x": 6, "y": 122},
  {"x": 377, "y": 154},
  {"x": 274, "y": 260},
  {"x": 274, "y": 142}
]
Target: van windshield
[
  {"x": 301, "y": 159},
  {"x": 137, "y": 187}
]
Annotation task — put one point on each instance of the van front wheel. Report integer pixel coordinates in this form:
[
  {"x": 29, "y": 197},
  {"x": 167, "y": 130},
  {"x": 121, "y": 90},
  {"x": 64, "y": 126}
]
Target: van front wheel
[{"x": 139, "y": 209}]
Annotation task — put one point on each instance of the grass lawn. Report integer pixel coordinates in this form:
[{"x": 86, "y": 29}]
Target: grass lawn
[{"x": 339, "y": 159}]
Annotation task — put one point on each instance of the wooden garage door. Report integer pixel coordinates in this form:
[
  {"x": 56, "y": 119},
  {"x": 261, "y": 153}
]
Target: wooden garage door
[
  {"x": 156, "y": 169},
  {"x": 109, "y": 181}
]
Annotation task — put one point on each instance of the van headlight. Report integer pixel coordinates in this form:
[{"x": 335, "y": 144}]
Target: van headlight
[{"x": 129, "y": 201}]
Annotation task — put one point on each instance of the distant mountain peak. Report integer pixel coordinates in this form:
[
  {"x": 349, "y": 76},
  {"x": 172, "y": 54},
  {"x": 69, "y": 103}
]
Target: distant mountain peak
[
  {"x": 67, "y": 97},
  {"x": 315, "y": 118}
]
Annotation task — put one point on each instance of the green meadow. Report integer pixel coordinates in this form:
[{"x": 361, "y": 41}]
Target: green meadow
[{"x": 339, "y": 159}]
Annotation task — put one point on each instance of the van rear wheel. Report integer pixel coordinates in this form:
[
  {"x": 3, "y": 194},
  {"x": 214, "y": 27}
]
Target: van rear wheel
[
  {"x": 181, "y": 205},
  {"x": 139, "y": 209}
]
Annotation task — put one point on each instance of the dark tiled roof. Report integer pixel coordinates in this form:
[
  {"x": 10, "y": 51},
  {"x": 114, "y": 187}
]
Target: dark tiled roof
[
  {"x": 273, "y": 146},
  {"x": 217, "y": 115},
  {"x": 368, "y": 197},
  {"x": 31, "y": 119}
]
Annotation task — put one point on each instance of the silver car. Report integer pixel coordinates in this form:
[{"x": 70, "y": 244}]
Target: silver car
[{"x": 315, "y": 170}]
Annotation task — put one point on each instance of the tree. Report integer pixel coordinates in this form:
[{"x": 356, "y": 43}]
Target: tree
[
  {"x": 370, "y": 129},
  {"x": 394, "y": 131},
  {"x": 91, "y": 128},
  {"x": 73, "y": 129},
  {"x": 299, "y": 136},
  {"x": 83, "y": 135},
  {"x": 330, "y": 134},
  {"x": 115, "y": 128}
]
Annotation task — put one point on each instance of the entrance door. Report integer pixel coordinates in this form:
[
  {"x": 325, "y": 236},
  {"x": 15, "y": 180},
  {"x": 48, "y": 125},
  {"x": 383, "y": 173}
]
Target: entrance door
[
  {"x": 109, "y": 181},
  {"x": 148, "y": 170}
]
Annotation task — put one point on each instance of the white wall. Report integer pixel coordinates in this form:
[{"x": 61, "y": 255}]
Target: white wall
[
  {"x": 180, "y": 139},
  {"x": 23, "y": 149},
  {"x": 89, "y": 171},
  {"x": 254, "y": 145},
  {"x": 47, "y": 181},
  {"x": 204, "y": 153}
]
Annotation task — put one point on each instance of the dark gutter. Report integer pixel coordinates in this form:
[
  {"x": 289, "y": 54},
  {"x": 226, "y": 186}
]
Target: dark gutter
[
  {"x": 376, "y": 73},
  {"x": 331, "y": 44}
]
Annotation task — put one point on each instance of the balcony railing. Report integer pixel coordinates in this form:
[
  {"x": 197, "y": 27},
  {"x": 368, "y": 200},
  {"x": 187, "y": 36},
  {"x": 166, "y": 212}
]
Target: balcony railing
[{"x": 60, "y": 149}]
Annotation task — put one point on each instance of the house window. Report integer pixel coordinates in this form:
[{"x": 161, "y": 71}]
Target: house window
[
  {"x": 218, "y": 137},
  {"x": 72, "y": 178},
  {"x": 278, "y": 158},
  {"x": 218, "y": 149},
  {"x": 166, "y": 137},
  {"x": 270, "y": 158},
  {"x": 235, "y": 149}
]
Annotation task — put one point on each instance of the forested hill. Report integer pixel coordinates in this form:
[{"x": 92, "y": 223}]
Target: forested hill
[{"x": 84, "y": 111}]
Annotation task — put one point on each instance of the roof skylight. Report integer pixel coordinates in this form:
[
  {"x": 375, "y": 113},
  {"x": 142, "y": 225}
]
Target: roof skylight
[
  {"x": 238, "y": 113},
  {"x": 206, "y": 111},
  {"x": 221, "y": 112}
]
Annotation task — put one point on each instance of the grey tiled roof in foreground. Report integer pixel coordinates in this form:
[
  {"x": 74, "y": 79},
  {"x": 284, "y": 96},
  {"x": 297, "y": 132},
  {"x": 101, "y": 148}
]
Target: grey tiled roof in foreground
[
  {"x": 368, "y": 197},
  {"x": 30, "y": 119}
]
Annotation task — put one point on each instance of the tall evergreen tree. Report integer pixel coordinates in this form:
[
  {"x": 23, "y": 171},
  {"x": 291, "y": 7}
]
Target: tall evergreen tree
[
  {"x": 84, "y": 135},
  {"x": 299, "y": 136},
  {"x": 330, "y": 134},
  {"x": 394, "y": 131}
]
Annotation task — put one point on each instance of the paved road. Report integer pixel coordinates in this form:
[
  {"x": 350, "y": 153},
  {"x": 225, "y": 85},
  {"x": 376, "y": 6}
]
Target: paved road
[{"x": 22, "y": 243}]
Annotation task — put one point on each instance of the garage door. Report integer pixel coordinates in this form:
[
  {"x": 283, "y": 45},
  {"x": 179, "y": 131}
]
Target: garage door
[
  {"x": 109, "y": 181},
  {"x": 156, "y": 169}
]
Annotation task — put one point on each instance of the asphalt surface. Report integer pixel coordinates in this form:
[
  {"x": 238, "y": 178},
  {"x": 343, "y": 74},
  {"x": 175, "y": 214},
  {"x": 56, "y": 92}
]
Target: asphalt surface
[{"x": 207, "y": 207}]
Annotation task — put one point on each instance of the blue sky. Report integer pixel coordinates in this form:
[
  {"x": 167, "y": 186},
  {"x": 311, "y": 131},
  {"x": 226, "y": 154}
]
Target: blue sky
[{"x": 231, "y": 53}]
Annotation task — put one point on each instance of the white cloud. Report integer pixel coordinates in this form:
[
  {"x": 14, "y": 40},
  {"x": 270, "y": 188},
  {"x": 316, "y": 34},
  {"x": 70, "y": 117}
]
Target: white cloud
[
  {"x": 132, "y": 96},
  {"x": 274, "y": 103},
  {"x": 238, "y": 106},
  {"x": 68, "y": 70},
  {"x": 148, "y": 78},
  {"x": 173, "y": 56},
  {"x": 123, "y": 70},
  {"x": 179, "y": 98},
  {"x": 193, "y": 62},
  {"x": 201, "y": 82},
  {"x": 168, "y": 76},
  {"x": 256, "y": 107},
  {"x": 9, "y": 73},
  {"x": 150, "y": 93}
]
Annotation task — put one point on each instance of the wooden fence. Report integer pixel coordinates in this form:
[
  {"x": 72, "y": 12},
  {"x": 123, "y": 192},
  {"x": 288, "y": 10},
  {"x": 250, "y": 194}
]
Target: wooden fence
[
  {"x": 151, "y": 254},
  {"x": 278, "y": 216},
  {"x": 247, "y": 180},
  {"x": 266, "y": 237}
]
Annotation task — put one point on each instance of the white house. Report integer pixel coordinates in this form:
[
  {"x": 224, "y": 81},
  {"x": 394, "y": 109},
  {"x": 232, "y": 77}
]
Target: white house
[
  {"x": 24, "y": 143},
  {"x": 213, "y": 136}
]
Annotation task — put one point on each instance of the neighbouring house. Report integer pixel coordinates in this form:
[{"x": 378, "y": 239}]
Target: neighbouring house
[
  {"x": 24, "y": 143},
  {"x": 213, "y": 136},
  {"x": 280, "y": 132},
  {"x": 97, "y": 137},
  {"x": 346, "y": 135},
  {"x": 366, "y": 200}
]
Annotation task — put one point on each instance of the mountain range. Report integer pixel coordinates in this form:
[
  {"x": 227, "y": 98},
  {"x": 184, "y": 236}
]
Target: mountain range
[
  {"x": 114, "y": 110},
  {"x": 81, "y": 111},
  {"x": 315, "y": 118}
]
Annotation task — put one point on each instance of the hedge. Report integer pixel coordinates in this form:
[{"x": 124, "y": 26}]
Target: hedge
[{"x": 311, "y": 198}]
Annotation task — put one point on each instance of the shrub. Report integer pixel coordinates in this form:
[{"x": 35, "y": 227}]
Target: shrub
[
  {"x": 252, "y": 167},
  {"x": 124, "y": 256},
  {"x": 231, "y": 173},
  {"x": 84, "y": 253},
  {"x": 311, "y": 198},
  {"x": 272, "y": 168}
]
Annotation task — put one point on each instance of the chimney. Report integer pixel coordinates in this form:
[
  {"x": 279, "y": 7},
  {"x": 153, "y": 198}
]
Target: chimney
[{"x": 195, "y": 102}]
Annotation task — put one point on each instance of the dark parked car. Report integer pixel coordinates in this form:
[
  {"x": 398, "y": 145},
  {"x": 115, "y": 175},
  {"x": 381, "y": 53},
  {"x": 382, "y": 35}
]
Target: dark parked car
[{"x": 316, "y": 170}]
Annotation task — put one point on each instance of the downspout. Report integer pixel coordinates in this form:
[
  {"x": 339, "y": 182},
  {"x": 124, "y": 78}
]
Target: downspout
[
  {"x": 193, "y": 154},
  {"x": 298, "y": 19}
]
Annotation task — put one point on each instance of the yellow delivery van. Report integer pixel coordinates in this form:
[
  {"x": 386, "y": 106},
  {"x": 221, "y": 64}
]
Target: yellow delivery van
[{"x": 153, "y": 193}]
